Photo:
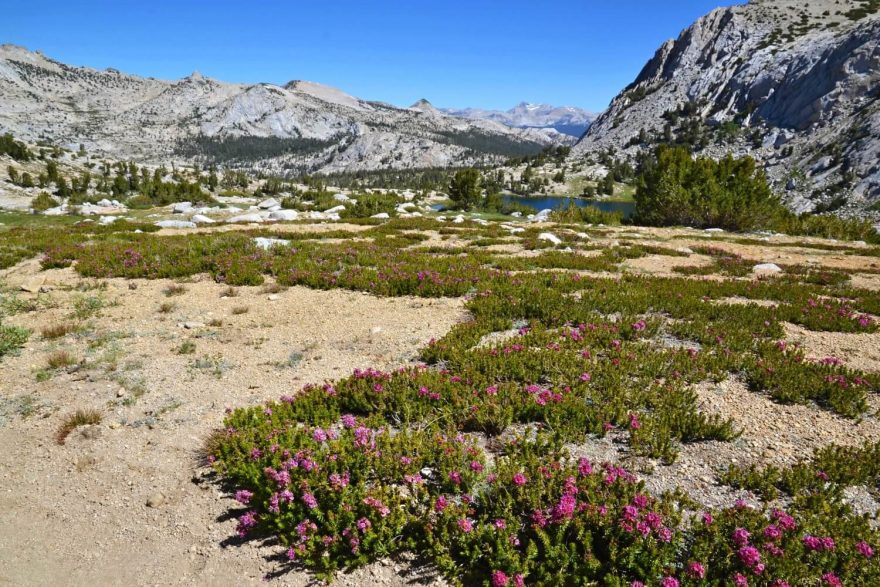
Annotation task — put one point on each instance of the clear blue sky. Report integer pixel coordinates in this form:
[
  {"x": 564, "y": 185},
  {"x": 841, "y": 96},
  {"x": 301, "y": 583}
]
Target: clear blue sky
[{"x": 454, "y": 53}]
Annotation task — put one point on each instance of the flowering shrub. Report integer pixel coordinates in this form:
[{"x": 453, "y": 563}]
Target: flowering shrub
[{"x": 344, "y": 493}]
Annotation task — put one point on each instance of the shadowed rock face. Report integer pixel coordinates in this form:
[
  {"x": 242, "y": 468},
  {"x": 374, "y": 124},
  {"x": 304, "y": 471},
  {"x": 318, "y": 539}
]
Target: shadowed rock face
[
  {"x": 302, "y": 125},
  {"x": 803, "y": 84}
]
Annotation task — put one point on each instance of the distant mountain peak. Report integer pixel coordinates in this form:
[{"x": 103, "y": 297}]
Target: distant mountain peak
[{"x": 565, "y": 119}]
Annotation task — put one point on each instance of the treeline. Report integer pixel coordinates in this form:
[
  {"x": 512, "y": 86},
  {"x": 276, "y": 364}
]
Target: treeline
[
  {"x": 490, "y": 144},
  {"x": 231, "y": 149},
  {"x": 423, "y": 179}
]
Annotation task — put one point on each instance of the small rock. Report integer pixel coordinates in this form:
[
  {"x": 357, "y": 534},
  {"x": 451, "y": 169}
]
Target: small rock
[
  {"x": 193, "y": 325},
  {"x": 274, "y": 298},
  {"x": 767, "y": 268},
  {"x": 33, "y": 284},
  {"x": 155, "y": 500}
]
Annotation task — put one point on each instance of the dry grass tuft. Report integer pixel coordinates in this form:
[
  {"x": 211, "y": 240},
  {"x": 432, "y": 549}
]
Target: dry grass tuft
[
  {"x": 210, "y": 447},
  {"x": 167, "y": 307},
  {"x": 74, "y": 421},
  {"x": 58, "y": 330},
  {"x": 237, "y": 310},
  {"x": 59, "y": 359},
  {"x": 175, "y": 289}
]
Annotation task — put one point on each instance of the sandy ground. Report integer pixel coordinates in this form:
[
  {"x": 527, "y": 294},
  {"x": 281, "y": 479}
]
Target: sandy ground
[{"x": 77, "y": 514}]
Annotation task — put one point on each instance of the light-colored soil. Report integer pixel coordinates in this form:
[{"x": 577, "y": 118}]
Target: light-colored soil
[
  {"x": 77, "y": 514},
  {"x": 664, "y": 265},
  {"x": 856, "y": 350}
]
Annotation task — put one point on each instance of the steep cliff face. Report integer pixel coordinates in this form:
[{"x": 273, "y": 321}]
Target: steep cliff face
[
  {"x": 794, "y": 84},
  {"x": 296, "y": 127}
]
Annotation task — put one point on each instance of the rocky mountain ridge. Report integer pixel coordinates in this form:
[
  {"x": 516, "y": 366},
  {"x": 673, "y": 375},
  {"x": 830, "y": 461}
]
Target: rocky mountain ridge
[
  {"x": 301, "y": 126},
  {"x": 796, "y": 84}
]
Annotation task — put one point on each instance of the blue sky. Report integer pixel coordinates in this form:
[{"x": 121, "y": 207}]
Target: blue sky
[{"x": 454, "y": 53}]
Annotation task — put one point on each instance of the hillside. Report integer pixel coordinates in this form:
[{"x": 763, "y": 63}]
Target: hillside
[
  {"x": 301, "y": 126},
  {"x": 794, "y": 84}
]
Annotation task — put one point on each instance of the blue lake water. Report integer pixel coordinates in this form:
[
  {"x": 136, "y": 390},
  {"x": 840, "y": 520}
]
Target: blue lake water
[{"x": 552, "y": 202}]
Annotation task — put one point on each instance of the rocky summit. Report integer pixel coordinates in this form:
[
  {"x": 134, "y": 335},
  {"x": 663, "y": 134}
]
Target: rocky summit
[{"x": 794, "y": 84}]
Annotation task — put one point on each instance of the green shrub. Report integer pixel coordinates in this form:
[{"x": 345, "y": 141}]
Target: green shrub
[
  {"x": 676, "y": 189},
  {"x": 43, "y": 202},
  {"x": 12, "y": 338}
]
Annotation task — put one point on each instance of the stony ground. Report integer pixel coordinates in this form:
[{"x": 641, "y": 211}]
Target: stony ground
[{"x": 126, "y": 502}]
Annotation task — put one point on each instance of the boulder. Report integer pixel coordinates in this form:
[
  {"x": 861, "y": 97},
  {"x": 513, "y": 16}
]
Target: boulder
[
  {"x": 341, "y": 197},
  {"x": 175, "y": 224},
  {"x": 268, "y": 243},
  {"x": 767, "y": 268},
  {"x": 335, "y": 210},
  {"x": 268, "y": 204},
  {"x": 181, "y": 207},
  {"x": 201, "y": 219},
  {"x": 549, "y": 236},
  {"x": 284, "y": 215},
  {"x": 382, "y": 215},
  {"x": 245, "y": 218}
]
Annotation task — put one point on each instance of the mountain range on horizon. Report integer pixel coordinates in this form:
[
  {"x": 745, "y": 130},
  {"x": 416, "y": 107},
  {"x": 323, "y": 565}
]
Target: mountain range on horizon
[
  {"x": 568, "y": 120},
  {"x": 301, "y": 126}
]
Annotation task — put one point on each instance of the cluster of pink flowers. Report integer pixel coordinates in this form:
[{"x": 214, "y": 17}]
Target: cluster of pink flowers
[
  {"x": 243, "y": 496},
  {"x": 377, "y": 505},
  {"x": 500, "y": 579},
  {"x": 865, "y": 549},
  {"x": 247, "y": 521},
  {"x": 425, "y": 392},
  {"x": 543, "y": 395},
  {"x": 339, "y": 481},
  {"x": 817, "y": 544},
  {"x": 370, "y": 373}
]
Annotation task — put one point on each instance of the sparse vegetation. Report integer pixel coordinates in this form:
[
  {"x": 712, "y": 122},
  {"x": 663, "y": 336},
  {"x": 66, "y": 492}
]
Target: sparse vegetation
[
  {"x": 74, "y": 421},
  {"x": 58, "y": 330},
  {"x": 60, "y": 359}
]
